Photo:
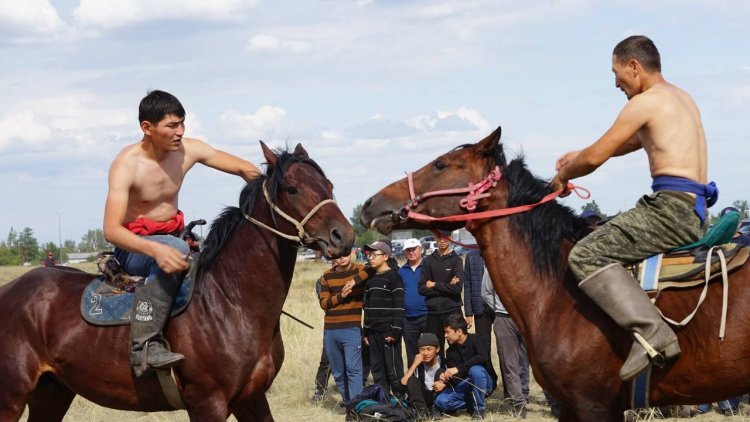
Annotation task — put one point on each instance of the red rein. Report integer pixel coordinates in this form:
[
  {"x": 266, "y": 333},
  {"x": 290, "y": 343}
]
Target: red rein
[{"x": 475, "y": 192}]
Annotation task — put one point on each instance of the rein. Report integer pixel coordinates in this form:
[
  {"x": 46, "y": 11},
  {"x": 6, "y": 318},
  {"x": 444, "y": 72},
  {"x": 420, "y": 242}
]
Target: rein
[
  {"x": 476, "y": 191},
  {"x": 302, "y": 236}
]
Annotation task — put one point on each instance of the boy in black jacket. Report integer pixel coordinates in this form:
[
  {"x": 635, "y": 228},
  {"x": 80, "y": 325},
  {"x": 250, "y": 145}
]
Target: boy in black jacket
[
  {"x": 467, "y": 360},
  {"x": 441, "y": 283},
  {"x": 422, "y": 380},
  {"x": 384, "y": 318}
]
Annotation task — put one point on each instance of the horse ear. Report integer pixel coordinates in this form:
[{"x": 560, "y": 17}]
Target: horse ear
[
  {"x": 298, "y": 150},
  {"x": 268, "y": 154},
  {"x": 488, "y": 145}
]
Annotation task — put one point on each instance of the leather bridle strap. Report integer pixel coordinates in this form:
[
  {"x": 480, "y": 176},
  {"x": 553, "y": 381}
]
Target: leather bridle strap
[
  {"x": 474, "y": 192},
  {"x": 302, "y": 236},
  {"x": 498, "y": 213}
]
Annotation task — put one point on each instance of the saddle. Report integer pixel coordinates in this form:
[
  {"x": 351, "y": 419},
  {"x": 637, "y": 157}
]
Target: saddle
[
  {"x": 108, "y": 298},
  {"x": 691, "y": 265}
]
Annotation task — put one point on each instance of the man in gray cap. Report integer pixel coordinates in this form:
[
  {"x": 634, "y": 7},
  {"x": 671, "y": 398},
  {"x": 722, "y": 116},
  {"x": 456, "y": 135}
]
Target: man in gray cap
[{"x": 422, "y": 380}]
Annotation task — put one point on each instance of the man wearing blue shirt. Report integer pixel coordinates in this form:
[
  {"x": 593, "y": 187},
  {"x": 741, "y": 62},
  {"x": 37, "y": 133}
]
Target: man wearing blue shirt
[{"x": 416, "y": 308}]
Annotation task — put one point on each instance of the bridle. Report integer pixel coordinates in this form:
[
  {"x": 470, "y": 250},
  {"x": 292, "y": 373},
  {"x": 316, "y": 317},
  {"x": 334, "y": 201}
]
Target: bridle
[
  {"x": 474, "y": 192},
  {"x": 302, "y": 237}
]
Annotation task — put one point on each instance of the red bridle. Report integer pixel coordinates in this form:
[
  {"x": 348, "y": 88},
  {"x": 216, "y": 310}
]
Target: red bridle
[{"x": 475, "y": 192}]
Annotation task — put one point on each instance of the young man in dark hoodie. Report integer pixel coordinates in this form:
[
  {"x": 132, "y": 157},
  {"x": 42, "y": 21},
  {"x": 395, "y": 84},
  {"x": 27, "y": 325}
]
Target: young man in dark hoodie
[
  {"x": 467, "y": 361},
  {"x": 422, "y": 380},
  {"x": 441, "y": 283},
  {"x": 384, "y": 318}
]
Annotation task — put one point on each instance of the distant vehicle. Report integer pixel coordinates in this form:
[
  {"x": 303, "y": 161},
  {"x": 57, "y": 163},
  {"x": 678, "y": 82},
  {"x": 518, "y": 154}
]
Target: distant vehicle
[
  {"x": 744, "y": 229},
  {"x": 463, "y": 250},
  {"x": 429, "y": 247},
  {"x": 306, "y": 255},
  {"x": 397, "y": 248},
  {"x": 426, "y": 239}
]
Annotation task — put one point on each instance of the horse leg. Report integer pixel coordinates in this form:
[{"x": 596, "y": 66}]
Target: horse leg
[
  {"x": 256, "y": 410},
  {"x": 15, "y": 387},
  {"x": 594, "y": 412},
  {"x": 50, "y": 400},
  {"x": 12, "y": 405},
  {"x": 212, "y": 409},
  {"x": 567, "y": 414}
]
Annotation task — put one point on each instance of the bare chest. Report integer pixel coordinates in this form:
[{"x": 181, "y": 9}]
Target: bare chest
[{"x": 157, "y": 182}]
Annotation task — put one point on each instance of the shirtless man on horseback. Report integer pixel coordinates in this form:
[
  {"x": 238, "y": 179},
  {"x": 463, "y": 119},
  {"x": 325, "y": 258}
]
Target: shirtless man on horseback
[
  {"x": 665, "y": 121},
  {"x": 142, "y": 219}
]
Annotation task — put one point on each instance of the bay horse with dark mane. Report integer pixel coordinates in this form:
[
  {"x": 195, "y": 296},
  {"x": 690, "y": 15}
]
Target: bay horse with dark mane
[
  {"x": 229, "y": 334},
  {"x": 575, "y": 349}
]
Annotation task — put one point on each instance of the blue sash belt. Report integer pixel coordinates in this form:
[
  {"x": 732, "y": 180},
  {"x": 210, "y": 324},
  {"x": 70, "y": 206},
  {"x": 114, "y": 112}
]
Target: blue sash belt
[{"x": 706, "y": 195}]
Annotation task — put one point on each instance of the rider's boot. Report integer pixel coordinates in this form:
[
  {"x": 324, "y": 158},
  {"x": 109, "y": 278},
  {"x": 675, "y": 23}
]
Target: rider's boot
[
  {"x": 617, "y": 293},
  {"x": 151, "y": 310}
]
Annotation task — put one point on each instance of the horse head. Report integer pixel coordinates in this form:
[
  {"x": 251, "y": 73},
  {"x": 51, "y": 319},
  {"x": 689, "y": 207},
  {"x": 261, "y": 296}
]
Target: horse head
[
  {"x": 301, "y": 201},
  {"x": 454, "y": 183}
]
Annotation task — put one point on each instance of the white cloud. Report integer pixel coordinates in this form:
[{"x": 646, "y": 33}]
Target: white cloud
[
  {"x": 269, "y": 43},
  {"x": 464, "y": 119},
  {"x": 73, "y": 123},
  {"x": 264, "y": 123},
  {"x": 30, "y": 15},
  {"x": 27, "y": 19},
  {"x": 112, "y": 14},
  {"x": 23, "y": 127}
]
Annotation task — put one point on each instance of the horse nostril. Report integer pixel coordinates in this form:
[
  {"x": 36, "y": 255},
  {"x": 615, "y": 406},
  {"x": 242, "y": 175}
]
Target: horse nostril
[
  {"x": 367, "y": 203},
  {"x": 336, "y": 237}
]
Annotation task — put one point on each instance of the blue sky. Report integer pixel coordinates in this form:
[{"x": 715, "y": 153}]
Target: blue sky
[{"x": 371, "y": 89}]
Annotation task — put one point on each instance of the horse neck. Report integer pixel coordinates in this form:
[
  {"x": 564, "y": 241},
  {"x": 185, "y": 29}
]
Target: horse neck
[
  {"x": 256, "y": 264},
  {"x": 528, "y": 296}
]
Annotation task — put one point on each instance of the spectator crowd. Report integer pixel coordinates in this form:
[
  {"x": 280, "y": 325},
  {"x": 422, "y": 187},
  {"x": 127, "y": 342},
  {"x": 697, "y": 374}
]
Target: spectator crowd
[{"x": 372, "y": 309}]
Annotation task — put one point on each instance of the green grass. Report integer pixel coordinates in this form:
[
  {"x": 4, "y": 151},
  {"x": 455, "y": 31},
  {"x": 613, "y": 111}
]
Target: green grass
[{"x": 290, "y": 393}]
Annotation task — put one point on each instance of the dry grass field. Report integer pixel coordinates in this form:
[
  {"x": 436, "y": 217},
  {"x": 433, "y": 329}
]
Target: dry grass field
[{"x": 290, "y": 393}]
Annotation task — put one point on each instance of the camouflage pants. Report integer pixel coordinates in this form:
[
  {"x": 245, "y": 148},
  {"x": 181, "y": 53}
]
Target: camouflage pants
[{"x": 659, "y": 222}]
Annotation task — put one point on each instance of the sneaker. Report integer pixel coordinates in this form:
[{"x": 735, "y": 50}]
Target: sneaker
[
  {"x": 478, "y": 415},
  {"x": 340, "y": 410},
  {"x": 421, "y": 412},
  {"x": 318, "y": 396},
  {"x": 730, "y": 412},
  {"x": 519, "y": 412},
  {"x": 436, "y": 414}
]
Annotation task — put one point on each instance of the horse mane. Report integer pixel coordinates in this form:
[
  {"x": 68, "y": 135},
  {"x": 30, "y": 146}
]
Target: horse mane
[
  {"x": 224, "y": 226},
  {"x": 545, "y": 227}
]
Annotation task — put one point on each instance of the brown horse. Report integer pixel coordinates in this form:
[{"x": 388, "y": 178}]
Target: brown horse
[
  {"x": 229, "y": 334},
  {"x": 575, "y": 349}
]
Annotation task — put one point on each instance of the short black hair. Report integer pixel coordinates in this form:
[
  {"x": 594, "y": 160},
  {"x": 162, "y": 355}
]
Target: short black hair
[
  {"x": 158, "y": 104},
  {"x": 456, "y": 322},
  {"x": 640, "y": 48}
]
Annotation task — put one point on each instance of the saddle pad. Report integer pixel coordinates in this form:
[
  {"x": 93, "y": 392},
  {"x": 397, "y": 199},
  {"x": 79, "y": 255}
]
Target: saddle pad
[
  {"x": 735, "y": 259},
  {"x": 685, "y": 269},
  {"x": 101, "y": 305}
]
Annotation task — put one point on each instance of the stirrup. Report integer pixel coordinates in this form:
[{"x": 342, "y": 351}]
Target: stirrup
[{"x": 658, "y": 358}]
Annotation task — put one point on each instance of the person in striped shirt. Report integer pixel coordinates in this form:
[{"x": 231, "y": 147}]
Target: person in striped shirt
[{"x": 342, "y": 331}]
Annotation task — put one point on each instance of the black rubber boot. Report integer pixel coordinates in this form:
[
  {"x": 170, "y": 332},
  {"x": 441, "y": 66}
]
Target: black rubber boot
[
  {"x": 618, "y": 294},
  {"x": 151, "y": 309}
]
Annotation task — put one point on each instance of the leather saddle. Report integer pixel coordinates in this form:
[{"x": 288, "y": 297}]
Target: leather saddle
[{"x": 108, "y": 298}]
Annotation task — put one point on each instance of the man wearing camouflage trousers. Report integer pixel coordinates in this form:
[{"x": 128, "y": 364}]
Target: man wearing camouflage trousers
[{"x": 665, "y": 121}]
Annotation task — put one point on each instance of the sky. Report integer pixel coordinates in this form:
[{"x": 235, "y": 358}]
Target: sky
[{"x": 371, "y": 88}]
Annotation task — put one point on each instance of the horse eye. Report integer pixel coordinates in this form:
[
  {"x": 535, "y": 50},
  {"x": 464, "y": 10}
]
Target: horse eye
[
  {"x": 291, "y": 190},
  {"x": 440, "y": 165}
]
